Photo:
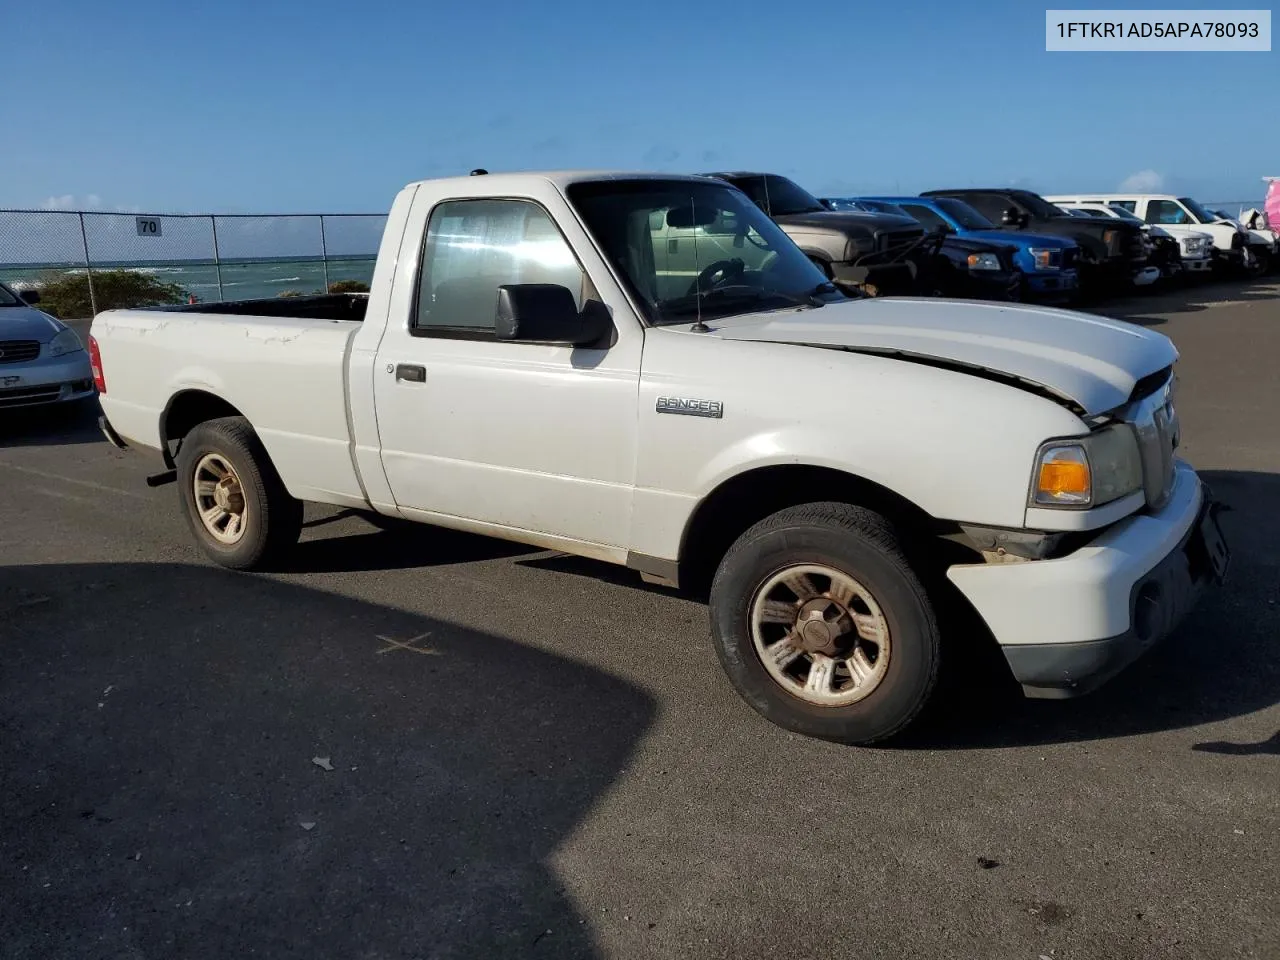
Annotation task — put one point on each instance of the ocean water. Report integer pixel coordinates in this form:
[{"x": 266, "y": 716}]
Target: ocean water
[{"x": 240, "y": 279}]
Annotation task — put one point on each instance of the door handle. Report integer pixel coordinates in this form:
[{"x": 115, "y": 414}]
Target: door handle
[{"x": 411, "y": 372}]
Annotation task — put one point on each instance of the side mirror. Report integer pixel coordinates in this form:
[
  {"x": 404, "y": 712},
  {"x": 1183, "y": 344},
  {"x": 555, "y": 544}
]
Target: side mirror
[
  {"x": 826, "y": 202},
  {"x": 29, "y": 296},
  {"x": 1011, "y": 217},
  {"x": 545, "y": 313}
]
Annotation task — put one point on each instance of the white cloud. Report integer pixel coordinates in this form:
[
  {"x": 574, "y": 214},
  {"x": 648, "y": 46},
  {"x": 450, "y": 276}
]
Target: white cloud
[
  {"x": 90, "y": 201},
  {"x": 1144, "y": 181}
]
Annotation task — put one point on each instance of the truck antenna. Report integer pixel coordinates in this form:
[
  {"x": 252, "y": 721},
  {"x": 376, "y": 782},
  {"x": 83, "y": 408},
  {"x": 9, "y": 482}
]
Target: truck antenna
[{"x": 699, "y": 326}]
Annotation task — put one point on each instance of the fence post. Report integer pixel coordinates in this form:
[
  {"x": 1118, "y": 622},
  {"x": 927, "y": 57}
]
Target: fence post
[
  {"x": 217, "y": 260},
  {"x": 324, "y": 255},
  {"x": 88, "y": 267}
]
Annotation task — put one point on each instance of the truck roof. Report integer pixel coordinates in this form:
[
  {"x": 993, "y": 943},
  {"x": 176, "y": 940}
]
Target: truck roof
[
  {"x": 560, "y": 178},
  {"x": 959, "y": 190},
  {"x": 1111, "y": 196}
]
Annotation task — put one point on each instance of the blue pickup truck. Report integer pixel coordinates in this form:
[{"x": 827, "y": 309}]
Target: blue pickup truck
[{"x": 1047, "y": 264}]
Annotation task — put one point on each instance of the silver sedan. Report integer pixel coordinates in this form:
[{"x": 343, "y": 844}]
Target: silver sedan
[{"x": 42, "y": 361}]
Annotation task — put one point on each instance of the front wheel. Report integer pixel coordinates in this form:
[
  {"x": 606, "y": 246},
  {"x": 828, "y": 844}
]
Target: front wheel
[
  {"x": 235, "y": 503},
  {"x": 823, "y": 627}
]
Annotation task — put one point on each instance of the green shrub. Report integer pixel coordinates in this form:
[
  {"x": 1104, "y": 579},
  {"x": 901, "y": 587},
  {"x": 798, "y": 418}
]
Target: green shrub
[
  {"x": 348, "y": 286},
  {"x": 66, "y": 295},
  {"x": 292, "y": 293}
]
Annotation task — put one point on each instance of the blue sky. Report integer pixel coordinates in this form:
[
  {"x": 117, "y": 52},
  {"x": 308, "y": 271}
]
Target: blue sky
[{"x": 320, "y": 106}]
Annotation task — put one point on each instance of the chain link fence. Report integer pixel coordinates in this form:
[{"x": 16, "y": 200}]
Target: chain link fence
[{"x": 85, "y": 262}]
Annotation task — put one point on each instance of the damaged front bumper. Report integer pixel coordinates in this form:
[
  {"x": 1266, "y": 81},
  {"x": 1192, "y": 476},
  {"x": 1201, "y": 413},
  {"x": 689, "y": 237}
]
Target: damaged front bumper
[{"x": 1067, "y": 625}]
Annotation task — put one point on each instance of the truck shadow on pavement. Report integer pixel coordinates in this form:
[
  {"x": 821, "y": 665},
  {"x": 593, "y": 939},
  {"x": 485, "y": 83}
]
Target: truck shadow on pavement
[
  {"x": 1222, "y": 662},
  {"x": 165, "y": 786}
]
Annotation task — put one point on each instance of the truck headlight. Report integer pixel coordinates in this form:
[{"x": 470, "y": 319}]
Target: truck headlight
[
  {"x": 984, "y": 261},
  {"x": 64, "y": 343},
  {"x": 1087, "y": 471},
  {"x": 1044, "y": 258}
]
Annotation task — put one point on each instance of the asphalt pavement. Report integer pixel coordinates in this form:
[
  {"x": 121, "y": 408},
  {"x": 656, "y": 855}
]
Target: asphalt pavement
[{"x": 423, "y": 744}]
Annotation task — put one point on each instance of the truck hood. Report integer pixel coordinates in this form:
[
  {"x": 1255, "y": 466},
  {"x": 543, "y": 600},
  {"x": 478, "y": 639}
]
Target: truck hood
[
  {"x": 1089, "y": 362},
  {"x": 856, "y": 222},
  {"x": 1021, "y": 239},
  {"x": 27, "y": 323}
]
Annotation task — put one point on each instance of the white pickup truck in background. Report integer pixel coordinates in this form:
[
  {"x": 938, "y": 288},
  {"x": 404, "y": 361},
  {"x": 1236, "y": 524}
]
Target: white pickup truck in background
[
  {"x": 845, "y": 477},
  {"x": 1195, "y": 248},
  {"x": 1183, "y": 216}
]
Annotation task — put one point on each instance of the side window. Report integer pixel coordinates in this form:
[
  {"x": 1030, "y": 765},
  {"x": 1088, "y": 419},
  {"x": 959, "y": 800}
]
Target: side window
[
  {"x": 1130, "y": 205},
  {"x": 753, "y": 187},
  {"x": 989, "y": 205},
  {"x": 474, "y": 246},
  {"x": 1165, "y": 211},
  {"x": 927, "y": 218}
]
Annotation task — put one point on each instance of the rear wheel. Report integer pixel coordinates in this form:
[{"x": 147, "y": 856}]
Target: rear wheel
[
  {"x": 822, "y": 626},
  {"x": 235, "y": 504}
]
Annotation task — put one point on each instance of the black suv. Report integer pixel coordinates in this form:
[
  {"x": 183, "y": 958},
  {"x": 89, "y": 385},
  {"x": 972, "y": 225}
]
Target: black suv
[{"x": 1112, "y": 252}]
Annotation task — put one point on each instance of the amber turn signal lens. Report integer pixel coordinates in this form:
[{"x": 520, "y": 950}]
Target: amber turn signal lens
[
  {"x": 1060, "y": 477},
  {"x": 1063, "y": 477}
]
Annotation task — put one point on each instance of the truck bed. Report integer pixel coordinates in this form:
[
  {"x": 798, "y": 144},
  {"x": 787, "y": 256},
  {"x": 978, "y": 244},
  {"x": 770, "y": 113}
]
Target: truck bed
[
  {"x": 279, "y": 362},
  {"x": 324, "y": 306}
]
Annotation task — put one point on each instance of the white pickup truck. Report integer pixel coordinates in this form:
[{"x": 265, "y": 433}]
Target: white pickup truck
[{"x": 850, "y": 479}]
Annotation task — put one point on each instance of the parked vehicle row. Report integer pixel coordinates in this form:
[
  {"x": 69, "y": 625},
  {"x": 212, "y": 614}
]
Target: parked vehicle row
[
  {"x": 1233, "y": 245},
  {"x": 1051, "y": 248},
  {"x": 563, "y": 360}
]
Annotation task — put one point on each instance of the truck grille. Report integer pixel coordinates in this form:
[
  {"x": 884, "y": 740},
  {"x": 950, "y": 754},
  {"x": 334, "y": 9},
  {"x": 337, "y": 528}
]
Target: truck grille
[
  {"x": 1155, "y": 422},
  {"x": 17, "y": 351}
]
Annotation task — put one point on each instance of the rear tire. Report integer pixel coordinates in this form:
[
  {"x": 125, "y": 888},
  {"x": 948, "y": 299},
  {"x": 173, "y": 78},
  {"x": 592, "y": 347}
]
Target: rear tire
[
  {"x": 822, "y": 626},
  {"x": 234, "y": 501}
]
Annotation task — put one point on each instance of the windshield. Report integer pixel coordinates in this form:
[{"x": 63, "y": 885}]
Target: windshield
[
  {"x": 690, "y": 250},
  {"x": 778, "y": 195},
  {"x": 1124, "y": 214},
  {"x": 1039, "y": 206},
  {"x": 963, "y": 214},
  {"x": 8, "y": 298},
  {"x": 1200, "y": 213}
]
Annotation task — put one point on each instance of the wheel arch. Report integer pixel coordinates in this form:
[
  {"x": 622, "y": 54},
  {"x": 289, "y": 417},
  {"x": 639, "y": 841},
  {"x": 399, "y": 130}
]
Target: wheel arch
[
  {"x": 742, "y": 500},
  {"x": 186, "y": 410}
]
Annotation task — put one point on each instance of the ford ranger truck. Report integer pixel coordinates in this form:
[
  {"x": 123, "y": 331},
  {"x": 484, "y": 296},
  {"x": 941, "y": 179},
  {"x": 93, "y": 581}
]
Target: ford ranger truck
[{"x": 852, "y": 482}]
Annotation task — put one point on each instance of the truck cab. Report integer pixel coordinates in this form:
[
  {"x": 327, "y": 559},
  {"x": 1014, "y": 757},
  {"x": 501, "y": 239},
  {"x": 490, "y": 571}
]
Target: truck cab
[
  {"x": 1113, "y": 255},
  {"x": 1047, "y": 263}
]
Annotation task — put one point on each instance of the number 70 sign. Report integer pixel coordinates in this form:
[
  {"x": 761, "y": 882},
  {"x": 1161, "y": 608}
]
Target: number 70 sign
[{"x": 149, "y": 227}]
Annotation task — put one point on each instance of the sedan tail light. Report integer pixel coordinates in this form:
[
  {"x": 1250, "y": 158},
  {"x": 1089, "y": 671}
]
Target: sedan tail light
[{"x": 95, "y": 364}]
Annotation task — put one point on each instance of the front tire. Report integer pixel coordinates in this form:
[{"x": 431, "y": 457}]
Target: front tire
[
  {"x": 823, "y": 627},
  {"x": 234, "y": 501}
]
